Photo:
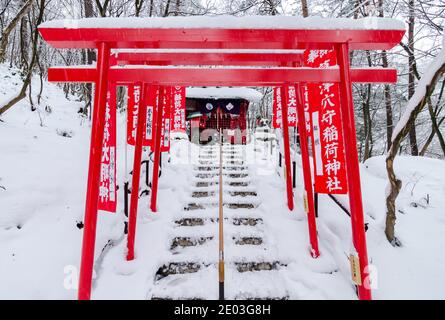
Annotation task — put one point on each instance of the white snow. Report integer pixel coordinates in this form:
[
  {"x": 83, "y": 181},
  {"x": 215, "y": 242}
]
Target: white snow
[
  {"x": 249, "y": 94},
  {"x": 232, "y": 22}
]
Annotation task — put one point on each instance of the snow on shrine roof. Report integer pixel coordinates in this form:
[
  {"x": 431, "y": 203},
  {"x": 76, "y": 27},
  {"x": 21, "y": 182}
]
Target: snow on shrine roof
[
  {"x": 249, "y": 94},
  {"x": 231, "y": 22}
]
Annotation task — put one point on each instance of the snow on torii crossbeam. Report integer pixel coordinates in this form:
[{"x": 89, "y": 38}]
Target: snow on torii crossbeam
[{"x": 253, "y": 33}]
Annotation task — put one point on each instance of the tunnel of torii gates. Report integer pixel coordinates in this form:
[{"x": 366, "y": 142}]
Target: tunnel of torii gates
[{"x": 265, "y": 56}]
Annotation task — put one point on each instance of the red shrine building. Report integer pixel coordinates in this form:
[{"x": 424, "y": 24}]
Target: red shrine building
[{"x": 209, "y": 109}]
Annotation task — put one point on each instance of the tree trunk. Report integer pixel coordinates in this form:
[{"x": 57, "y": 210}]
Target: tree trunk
[
  {"x": 90, "y": 57},
  {"x": 167, "y": 8},
  {"x": 304, "y": 8},
  {"x": 102, "y": 7},
  {"x": 395, "y": 183},
  {"x": 150, "y": 13},
  {"x": 138, "y": 7},
  {"x": 436, "y": 126},
  {"x": 386, "y": 90},
  {"x": 430, "y": 138},
  {"x": 411, "y": 74}
]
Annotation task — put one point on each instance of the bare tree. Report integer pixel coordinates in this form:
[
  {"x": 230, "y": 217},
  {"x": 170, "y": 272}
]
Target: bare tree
[
  {"x": 34, "y": 55},
  {"x": 11, "y": 26},
  {"x": 411, "y": 77},
  {"x": 395, "y": 183}
]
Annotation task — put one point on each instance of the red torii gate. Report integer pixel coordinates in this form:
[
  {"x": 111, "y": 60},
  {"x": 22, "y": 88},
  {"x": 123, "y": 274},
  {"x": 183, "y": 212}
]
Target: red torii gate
[{"x": 342, "y": 40}]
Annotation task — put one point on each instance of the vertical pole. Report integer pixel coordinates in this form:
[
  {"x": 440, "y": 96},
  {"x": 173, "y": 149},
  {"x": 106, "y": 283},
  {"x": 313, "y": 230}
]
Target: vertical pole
[
  {"x": 92, "y": 193},
  {"x": 287, "y": 162},
  {"x": 352, "y": 167},
  {"x": 221, "y": 214},
  {"x": 316, "y": 204},
  {"x": 309, "y": 194},
  {"x": 134, "y": 199},
  {"x": 157, "y": 149}
]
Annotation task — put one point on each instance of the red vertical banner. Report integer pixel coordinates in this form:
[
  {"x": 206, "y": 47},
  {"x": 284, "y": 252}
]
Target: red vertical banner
[
  {"x": 178, "y": 109},
  {"x": 277, "y": 108},
  {"x": 277, "y": 113},
  {"x": 151, "y": 100},
  {"x": 322, "y": 111},
  {"x": 107, "y": 186},
  {"x": 165, "y": 131},
  {"x": 291, "y": 98},
  {"x": 134, "y": 100}
]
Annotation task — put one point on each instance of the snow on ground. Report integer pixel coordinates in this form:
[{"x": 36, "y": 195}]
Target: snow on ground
[{"x": 42, "y": 194}]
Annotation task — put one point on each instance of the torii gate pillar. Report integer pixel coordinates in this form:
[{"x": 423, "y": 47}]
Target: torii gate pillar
[{"x": 92, "y": 194}]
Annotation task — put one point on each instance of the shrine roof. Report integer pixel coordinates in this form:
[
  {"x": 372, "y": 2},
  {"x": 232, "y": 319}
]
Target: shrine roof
[{"x": 249, "y": 94}]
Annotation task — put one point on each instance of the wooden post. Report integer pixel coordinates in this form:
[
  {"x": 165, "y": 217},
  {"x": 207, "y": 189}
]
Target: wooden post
[{"x": 92, "y": 193}]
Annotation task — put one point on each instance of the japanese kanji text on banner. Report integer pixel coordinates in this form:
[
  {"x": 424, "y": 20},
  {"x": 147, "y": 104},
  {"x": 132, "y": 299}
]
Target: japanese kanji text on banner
[
  {"x": 322, "y": 110},
  {"x": 107, "y": 187}
]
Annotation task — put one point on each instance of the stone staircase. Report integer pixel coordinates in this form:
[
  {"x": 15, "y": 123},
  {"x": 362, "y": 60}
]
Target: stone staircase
[{"x": 252, "y": 269}]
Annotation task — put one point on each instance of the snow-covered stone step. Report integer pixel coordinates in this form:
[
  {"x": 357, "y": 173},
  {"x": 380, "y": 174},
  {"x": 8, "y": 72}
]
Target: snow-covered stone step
[
  {"x": 226, "y": 189},
  {"x": 255, "y": 285},
  {"x": 225, "y": 179},
  {"x": 225, "y": 174},
  {"x": 211, "y": 193},
  {"x": 179, "y": 241},
  {"x": 215, "y": 162},
  {"x": 199, "y": 285},
  {"x": 237, "y": 221},
  {"x": 206, "y": 184},
  {"x": 216, "y": 168},
  {"x": 225, "y": 171},
  {"x": 178, "y": 267},
  {"x": 211, "y": 229},
  {"x": 227, "y": 198},
  {"x": 231, "y": 205},
  {"x": 213, "y": 213}
]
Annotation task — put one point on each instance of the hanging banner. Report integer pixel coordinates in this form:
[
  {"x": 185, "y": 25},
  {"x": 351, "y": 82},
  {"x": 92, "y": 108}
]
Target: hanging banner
[
  {"x": 135, "y": 98},
  {"x": 291, "y": 107},
  {"x": 291, "y": 96},
  {"x": 276, "y": 111},
  {"x": 151, "y": 99},
  {"x": 165, "y": 131},
  {"x": 178, "y": 109},
  {"x": 107, "y": 186},
  {"x": 322, "y": 113}
]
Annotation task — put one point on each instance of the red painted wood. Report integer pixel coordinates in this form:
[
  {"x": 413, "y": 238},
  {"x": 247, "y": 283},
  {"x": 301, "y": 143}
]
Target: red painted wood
[
  {"x": 157, "y": 150},
  {"x": 92, "y": 193},
  {"x": 286, "y": 144},
  {"x": 222, "y": 77},
  {"x": 353, "y": 169},
  {"x": 140, "y": 137},
  {"x": 209, "y": 58},
  {"x": 310, "y": 209},
  {"x": 198, "y": 38}
]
